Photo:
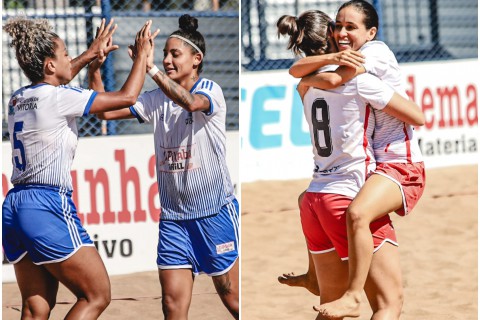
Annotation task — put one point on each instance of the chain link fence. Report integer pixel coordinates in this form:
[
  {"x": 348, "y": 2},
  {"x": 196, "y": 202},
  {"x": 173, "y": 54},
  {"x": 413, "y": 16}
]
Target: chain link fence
[
  {"x": 414, "y": 30},
  {"x": 75, "y": 22}
]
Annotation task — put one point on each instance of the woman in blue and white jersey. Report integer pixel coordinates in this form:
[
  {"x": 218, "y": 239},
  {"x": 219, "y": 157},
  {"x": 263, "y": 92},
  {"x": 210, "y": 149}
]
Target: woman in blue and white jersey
[
  {"x": 42, "y": 234},
  {"x": 199, "y": 213}
]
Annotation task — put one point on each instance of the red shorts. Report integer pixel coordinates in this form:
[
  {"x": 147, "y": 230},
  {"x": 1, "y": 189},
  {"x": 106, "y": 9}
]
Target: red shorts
[
  {"x": 324, "y": 224},
  {"x": 410, "y": 177}
]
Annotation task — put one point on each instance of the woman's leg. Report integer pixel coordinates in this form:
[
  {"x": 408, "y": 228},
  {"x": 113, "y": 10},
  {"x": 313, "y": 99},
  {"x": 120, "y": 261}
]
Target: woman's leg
[
  {"x": 384, "y": 284},
  {"x": 227, "y": 288},
  {"x": 332, "y": 275},
  {"x": 307, "y": 280},
  {"x": 85, "y": 275},
  {"x": 177, "y": 285},
  {"x": 38, "y": 288},
  {"x": 377, "y": 198}
]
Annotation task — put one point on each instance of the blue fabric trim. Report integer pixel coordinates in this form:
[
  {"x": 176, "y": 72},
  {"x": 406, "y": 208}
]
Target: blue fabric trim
[
  {"x": 210, "y": 110},
  {"x": 89, "y": 103},
  {"x": 37, "y": 85},
  {"x": 72, "y": 88},
  {"x": 135, "y": 114},
  {"x": 196, "y": 84}
]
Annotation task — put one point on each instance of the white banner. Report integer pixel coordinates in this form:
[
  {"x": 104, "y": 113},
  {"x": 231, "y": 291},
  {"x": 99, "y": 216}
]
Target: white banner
[
  {"x": 116, "y": 194},
  {"x": 275, "y": 138}
]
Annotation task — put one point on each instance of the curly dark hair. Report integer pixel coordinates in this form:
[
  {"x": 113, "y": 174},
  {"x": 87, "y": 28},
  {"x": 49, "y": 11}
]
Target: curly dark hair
[{"x": 34, "y": 41}]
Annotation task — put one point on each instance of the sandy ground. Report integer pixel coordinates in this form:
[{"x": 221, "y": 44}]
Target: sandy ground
[
  {"x": 134, "y": 296},
  {"x": 438, "y": 249}
]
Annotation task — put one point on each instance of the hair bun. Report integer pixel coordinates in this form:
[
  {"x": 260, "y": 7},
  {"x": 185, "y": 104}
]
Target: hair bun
[
  {"x": 188, "y": 23},
  {"x": 287, "y": 25}
]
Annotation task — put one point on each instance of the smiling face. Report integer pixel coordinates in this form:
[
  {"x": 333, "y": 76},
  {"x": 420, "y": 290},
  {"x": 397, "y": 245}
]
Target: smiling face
[
  {"x": 179, "y": 62},
  {"x": 350, "y": 31}
]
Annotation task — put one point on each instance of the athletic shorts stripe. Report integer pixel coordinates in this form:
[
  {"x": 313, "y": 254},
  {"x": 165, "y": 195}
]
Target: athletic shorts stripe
[
  {"x": 42, "y": 221},
  {"x": 206, "y": 245},
  {"x": 66, "y": 215}
]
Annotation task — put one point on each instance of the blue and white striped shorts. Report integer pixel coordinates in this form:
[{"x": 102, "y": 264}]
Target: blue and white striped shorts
[
  {"x": 205, "y": 245},
  {"x": 42, "y": 221}
]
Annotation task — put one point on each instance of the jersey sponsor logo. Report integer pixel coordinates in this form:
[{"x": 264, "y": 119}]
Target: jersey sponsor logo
[
  {"x": 27, "y": 104},
  {"x": 326, "y": 171},
  {"x": 225, "y": 247},
  {"x": 178, "y": 159}
]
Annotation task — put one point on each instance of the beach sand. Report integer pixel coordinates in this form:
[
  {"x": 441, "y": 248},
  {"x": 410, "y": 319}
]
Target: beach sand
[
  {"x": 134, "y": 296},
  {"x": 438, "y": 250}
]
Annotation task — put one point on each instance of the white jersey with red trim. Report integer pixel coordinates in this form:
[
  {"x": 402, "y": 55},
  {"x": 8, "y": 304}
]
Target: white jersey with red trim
[
  {"x": 192, "y": 173},
  {"x": 393, "y": 140},
  {"x": 43, "y": 132},
  {"x": 341, "y": 126}
]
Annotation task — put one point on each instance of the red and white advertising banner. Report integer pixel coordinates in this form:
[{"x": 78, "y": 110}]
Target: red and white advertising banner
[
  {"x": 275, "y": 139},
  {"x": 116, "y": 194}
]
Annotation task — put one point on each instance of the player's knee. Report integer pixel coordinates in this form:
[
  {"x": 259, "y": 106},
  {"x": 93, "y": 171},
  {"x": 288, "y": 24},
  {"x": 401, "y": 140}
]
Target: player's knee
[
  {"x": 399, "y": 304},
  {"x": 391, "y": 308},
  {"x": 36, "y": 309},
  {"x": 172, "y": 304},
  {"x": 101, "y": 299},
  {"x": 356, "y": 216}
]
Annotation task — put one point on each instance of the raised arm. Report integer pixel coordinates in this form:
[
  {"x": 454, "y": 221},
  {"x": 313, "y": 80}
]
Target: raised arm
[
  {"x": 180, "y": 95},
  {"x": 127, "y": 95},
  {"x": 311, "y": 64},
  {"x": 95, "y": 83},
  {"x": 330, "y": 80},
  {"x": 103, "y": 36}
]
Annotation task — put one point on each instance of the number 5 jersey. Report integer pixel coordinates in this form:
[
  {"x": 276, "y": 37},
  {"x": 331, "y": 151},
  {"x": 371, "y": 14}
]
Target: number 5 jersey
[{"x": 43, "y": 132}]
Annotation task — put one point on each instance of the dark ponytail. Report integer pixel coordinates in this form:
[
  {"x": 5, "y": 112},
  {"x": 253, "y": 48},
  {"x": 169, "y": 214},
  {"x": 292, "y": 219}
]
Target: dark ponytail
[{"x": 308, "y": 33}]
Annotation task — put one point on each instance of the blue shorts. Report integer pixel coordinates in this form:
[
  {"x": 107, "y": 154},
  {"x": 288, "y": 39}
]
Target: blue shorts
[
  {"x": 41, "y": 221},
  {"x": 207, "y": 245}
]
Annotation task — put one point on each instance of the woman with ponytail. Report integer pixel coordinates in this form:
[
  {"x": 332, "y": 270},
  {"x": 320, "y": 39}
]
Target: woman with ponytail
[
  {"x": 199, "y": 213},
  {"x": 341, "y": 123}
]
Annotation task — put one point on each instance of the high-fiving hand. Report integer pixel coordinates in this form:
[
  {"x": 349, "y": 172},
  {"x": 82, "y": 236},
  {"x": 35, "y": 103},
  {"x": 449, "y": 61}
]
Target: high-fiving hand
[{"x": 134, "y": 49}]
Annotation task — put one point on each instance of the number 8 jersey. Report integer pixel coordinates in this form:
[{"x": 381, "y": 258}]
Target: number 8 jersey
[{"x": 341, "y": 127}]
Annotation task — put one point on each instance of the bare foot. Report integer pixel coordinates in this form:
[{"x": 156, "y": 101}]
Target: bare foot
[
  {"x": 303, "y": 280},
  {"x": 347, "y": 306}
]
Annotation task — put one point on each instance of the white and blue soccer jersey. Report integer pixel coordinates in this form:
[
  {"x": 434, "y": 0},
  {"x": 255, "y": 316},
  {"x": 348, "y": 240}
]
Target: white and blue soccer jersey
[
  {"x": 192, "y": 172},
  {"x": 43, "y": 132},
  {"x": 394, "y": 140},
  {"x": 341, "y": 126}
]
